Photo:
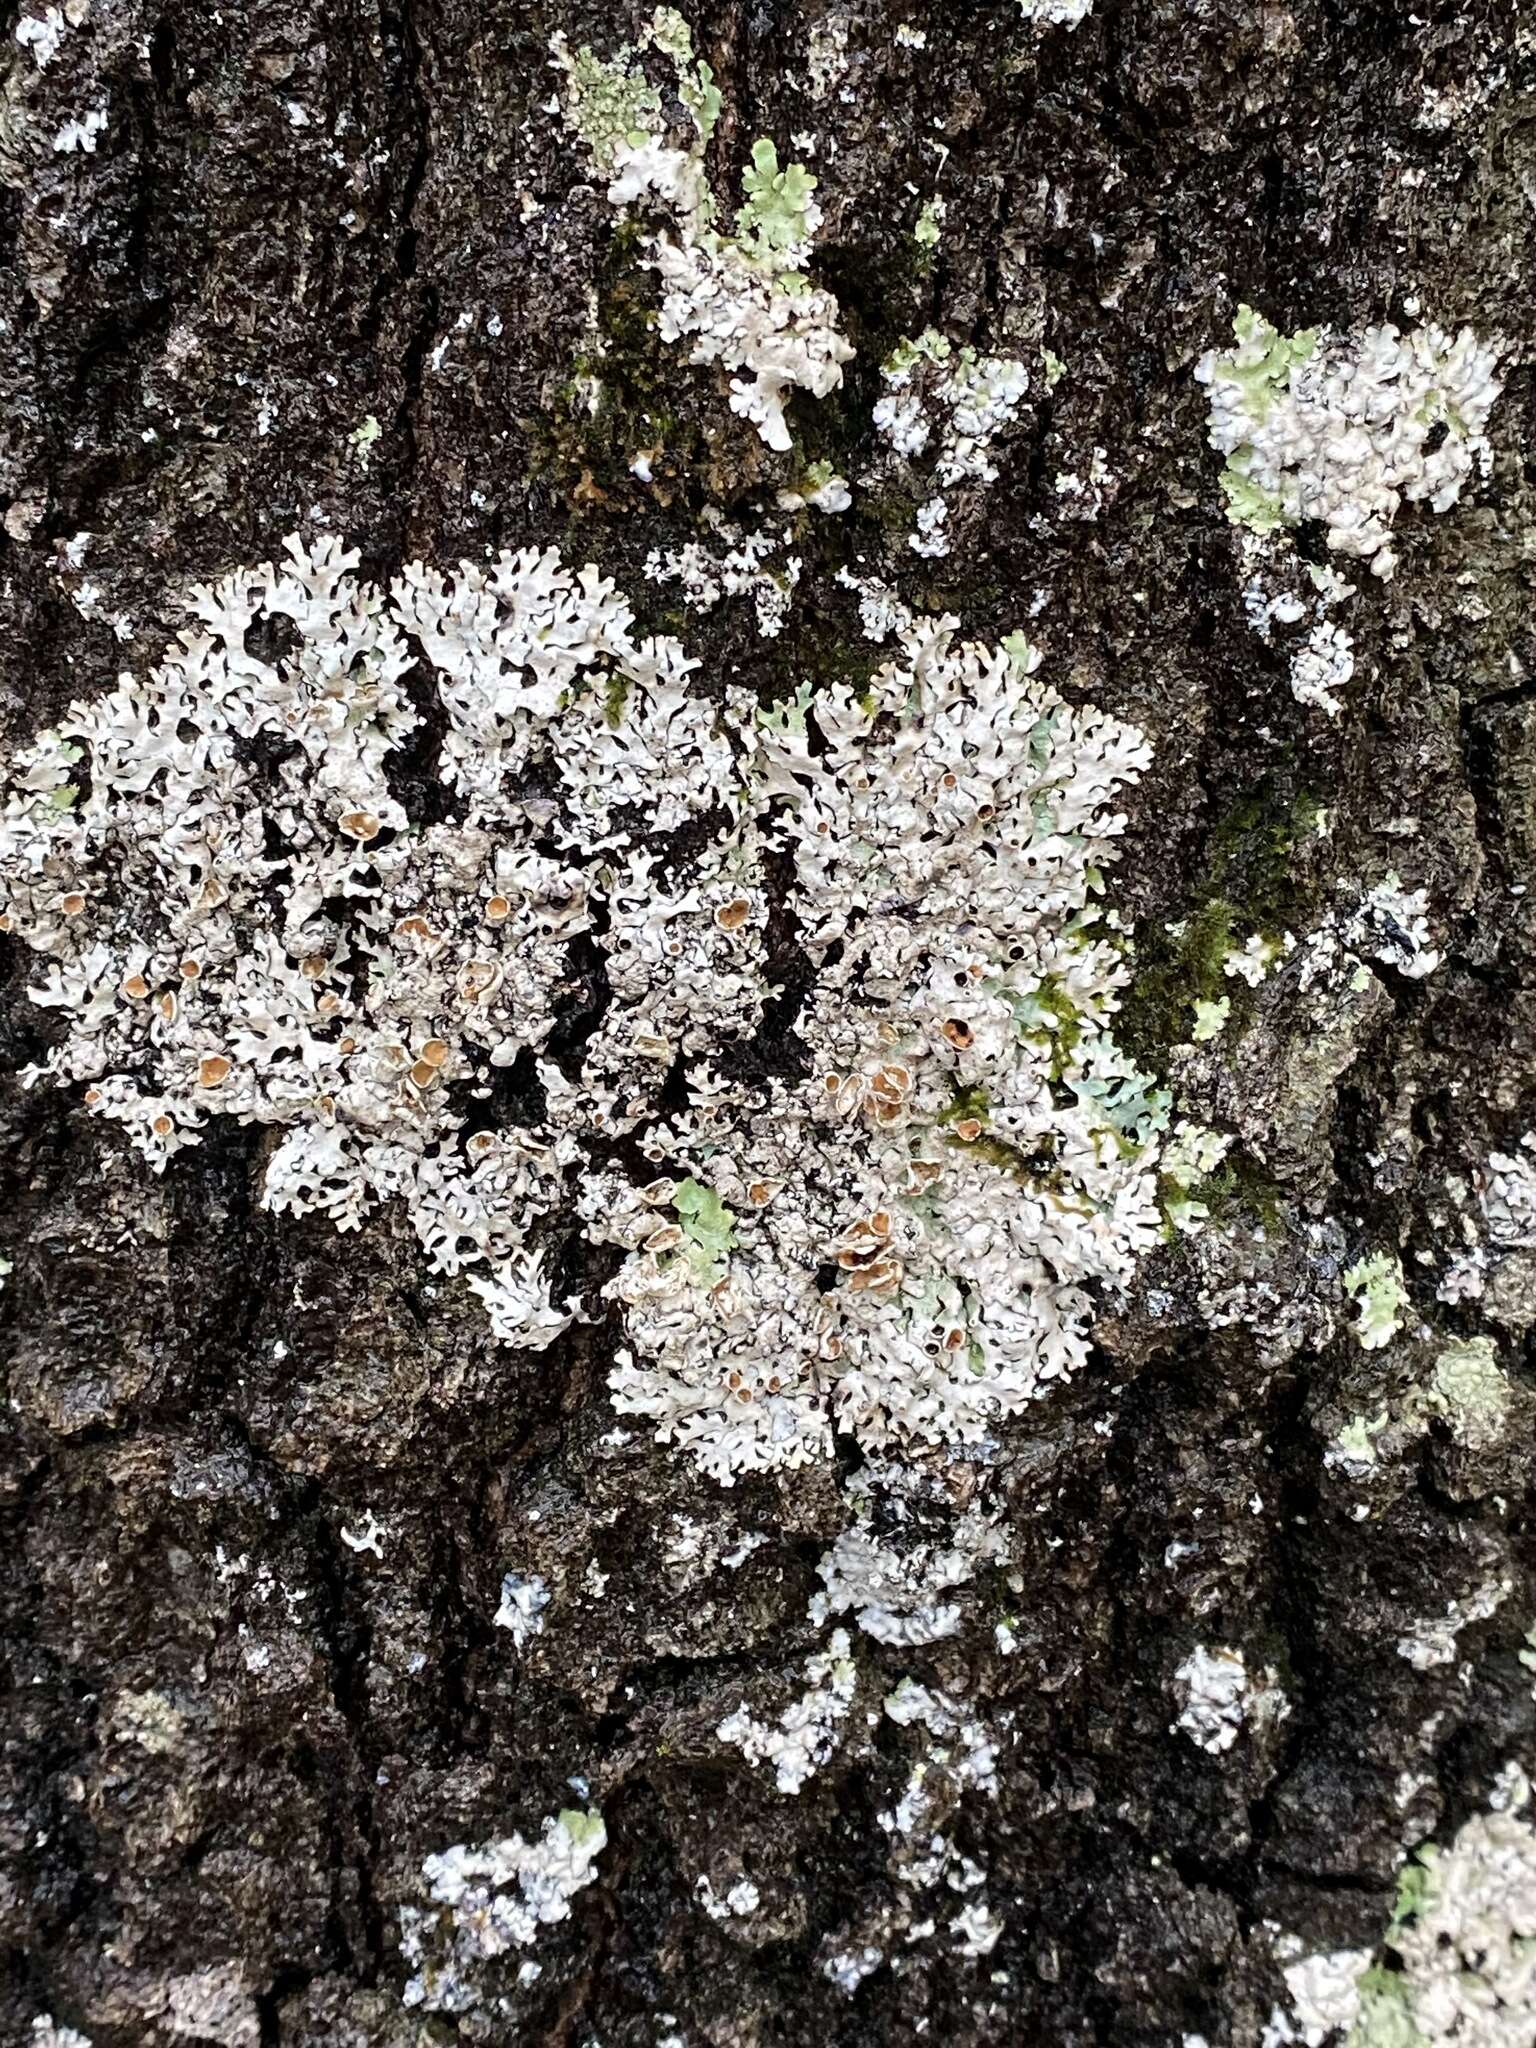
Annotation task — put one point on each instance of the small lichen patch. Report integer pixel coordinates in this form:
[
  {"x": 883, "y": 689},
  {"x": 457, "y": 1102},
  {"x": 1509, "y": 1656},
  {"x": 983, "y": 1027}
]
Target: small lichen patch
[
  {"x": 1471, "y": 1390},
  {"x": 1457, "y": 1963},
  {"x": 487, "y": 1899},
  {"x": 943, "y": 410},
  {"x": 1375, "y": 1284},
  {"x": 742, "y": 301},
  {"x": 1219, "y": 1696},
  {"x": 806, "y": 1733},
  {"x": 1056, "y": 13},
  {"x": 1344, "y": 428}
]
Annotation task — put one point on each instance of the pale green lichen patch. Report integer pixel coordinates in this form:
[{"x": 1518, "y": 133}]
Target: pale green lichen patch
[
  {"x": 1354, "y": 1448},
  {"x": 706, "y": 1222},
  {"x": 1210, "y": 1019},
  {"x": 1386, "y": 2013},
  {"x": 1261, "y": 364},
  {"x": 608, "y": 102},
  {"x": 695, "y": 79},
  {"x": 741, "y": 301},
  {"x": 1471, "y": 1391},
  {"x": 1375, "y": 1284},
  {"x": 361, "y": 440},
  {"x": 1258, "y": 370},
  {"x": 775, "y": 216},
  {"x": 1454, "y": 1965},
  {"x": 1192, "y": 1154},
  {"x": 930, "y": 346}
]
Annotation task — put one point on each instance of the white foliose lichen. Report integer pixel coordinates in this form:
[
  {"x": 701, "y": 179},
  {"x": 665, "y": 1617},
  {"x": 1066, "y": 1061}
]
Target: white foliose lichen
[
  {"x": 1324, "y": 1996},
  {"x": 898, "y": 1585},
  {"x": 1392, "y": 925},
  {"x": 806, "y": 1734},
  {"x": 1505, "y": 1227},
  {"x": 881, "y": 611},
  {"x": 970, "y": 1150},
  {"x": 523, "y": 1602},
  {"x": 48, "y": 2032},
  {"x": 1343, "y": 429},
  {"x": 235, "y": 916},
  {"x": 1432, "y": 1642},
  {"x": 1321, "y": 668},
  {"x": 820, "y": 489},
  {"x": 1457, "y": 1964},
  {"x": 742, "y": 1899},
  {"x": 1219, "y": 1696},
  {"x": 1192, "y": 1154},
  {"x": 1056, "y": 13},
  {"x": 740, "y": 300},
  {"x": 1289, "y": 604},
  {"x": 43, "y": 32},
  {"x": 738, "y": 567},
  {"x": 1375, "y": 1285},
  {"x": 489, "y": 1898},
  {"x": 958, "y": 1757},
  {"x": 944, "y": 408},
  {"x": 1257, "y": 958}
]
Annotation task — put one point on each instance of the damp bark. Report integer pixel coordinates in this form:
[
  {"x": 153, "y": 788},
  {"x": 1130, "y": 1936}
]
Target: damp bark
[{"x": 343, "y": 269}]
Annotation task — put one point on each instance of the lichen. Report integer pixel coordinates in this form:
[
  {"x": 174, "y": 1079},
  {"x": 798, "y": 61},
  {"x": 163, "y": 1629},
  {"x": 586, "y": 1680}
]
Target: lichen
[
  {"x": 743, "y": 301},
  {"x": 1344, "y": 429},
  {"x": 488, "y": 1898},
  {"x": 1375, "y": 1284},
  {"x": 267, "y": 936},
  {"x": 1457, "y": 1961}
]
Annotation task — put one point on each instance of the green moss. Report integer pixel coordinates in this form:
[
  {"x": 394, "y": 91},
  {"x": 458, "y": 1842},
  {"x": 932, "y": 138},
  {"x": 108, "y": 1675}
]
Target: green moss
[
  {"x": 968, "y": 1102},
  {"x": 1061, "y": 1021},
  {"x": 972, "y": 1104},
  {"x": 1252, "y": 878},
  {"x": 998, "y": 1152},
  {"x": 1238, "y": 1191},
  {"x": 615, "y": 697},
  {"x": 812, "y": 657},
  {"x": 620, "y": 399}
]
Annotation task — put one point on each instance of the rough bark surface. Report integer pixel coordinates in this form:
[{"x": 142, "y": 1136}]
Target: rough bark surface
[{"x": 298, "y": 217}]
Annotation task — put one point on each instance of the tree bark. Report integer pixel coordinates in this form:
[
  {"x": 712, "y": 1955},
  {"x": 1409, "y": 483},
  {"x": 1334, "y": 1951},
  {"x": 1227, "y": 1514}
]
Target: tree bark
[{"x": 346, "y": 270}]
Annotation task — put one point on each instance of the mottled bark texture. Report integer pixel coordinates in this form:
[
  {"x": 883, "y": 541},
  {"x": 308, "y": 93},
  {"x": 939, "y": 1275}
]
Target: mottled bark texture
[{"x": 229, "y": 1738}]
